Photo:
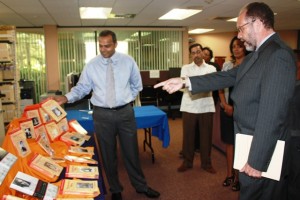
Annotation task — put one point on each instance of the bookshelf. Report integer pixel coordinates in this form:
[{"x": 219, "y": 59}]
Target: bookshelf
[{"x": 9, "y": 74}]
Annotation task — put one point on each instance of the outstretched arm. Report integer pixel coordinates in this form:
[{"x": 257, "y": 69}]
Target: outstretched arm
[
  {"x": 172, "y": 85},
  {"x": 60, "y": 99}
]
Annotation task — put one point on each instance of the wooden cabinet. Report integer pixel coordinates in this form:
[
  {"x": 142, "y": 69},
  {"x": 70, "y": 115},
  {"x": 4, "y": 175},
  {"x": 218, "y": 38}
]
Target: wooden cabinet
[
  {"x": 220, "y": 60},
  {"x": 9, "y": 74}
]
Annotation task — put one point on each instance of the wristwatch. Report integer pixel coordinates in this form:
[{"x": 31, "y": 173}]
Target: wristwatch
[{"x": 183, "y": 80}]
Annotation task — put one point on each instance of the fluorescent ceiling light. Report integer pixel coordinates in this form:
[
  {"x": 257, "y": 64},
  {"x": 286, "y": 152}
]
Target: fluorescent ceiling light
[
  {"x": 232, "y": 20},
  {"x": 179, "y": 14},
  {"x": 94, "y": 12},
  {"x": 200, "y": 30}
]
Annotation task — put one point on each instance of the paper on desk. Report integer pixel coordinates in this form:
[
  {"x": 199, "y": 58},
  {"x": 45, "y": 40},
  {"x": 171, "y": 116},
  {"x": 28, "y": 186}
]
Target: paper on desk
[{"x": 242, "y": 148}]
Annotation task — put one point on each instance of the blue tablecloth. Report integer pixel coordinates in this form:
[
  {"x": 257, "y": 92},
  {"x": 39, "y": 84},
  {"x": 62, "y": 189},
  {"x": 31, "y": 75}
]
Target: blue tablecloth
[{"x": 146, "y": 117}]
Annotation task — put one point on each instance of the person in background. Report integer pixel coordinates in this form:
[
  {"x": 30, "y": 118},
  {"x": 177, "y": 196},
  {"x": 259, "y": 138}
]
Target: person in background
[
  {"x": 197, "y": 111},
  {"x": 238, "y": 52},
  {"x": 115, "y": 81},
  {"x": 263, "y": 86},
  {"x": 207, "y": 56}
]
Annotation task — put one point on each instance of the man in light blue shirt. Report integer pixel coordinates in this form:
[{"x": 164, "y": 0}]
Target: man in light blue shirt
[{"x": 112, "y": 112}]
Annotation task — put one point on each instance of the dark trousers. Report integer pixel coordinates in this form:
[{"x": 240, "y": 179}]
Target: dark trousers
[
  {"x": 268, "y": 189},
  {"x": 110, "y": 125},
  {"x": 294, "y": 169},
  {"x": 190, "y": 122}
]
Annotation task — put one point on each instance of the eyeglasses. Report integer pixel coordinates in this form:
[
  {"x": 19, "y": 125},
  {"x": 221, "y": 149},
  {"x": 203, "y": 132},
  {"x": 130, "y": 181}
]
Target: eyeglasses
[
  {"x": 196, "y": 52},
  {"x": 241, "y": 28}
]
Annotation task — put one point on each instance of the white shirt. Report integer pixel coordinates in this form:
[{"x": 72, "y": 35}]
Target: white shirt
[{"x": 201, "y": 102}]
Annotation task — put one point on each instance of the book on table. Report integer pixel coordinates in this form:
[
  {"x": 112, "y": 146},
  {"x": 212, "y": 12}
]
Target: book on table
[
  {"x": 11, "y": 197},
  {"x": 53, "y": 109},
  {"x": 81, "y": 171},
  {"x": 74, "y": 138},
  {"x": 52, "y": 130},
  {"x": 45, "y": 165},
  {"x": 7, "y": 160},
  {"x": 28, "y": 128},
  {"x": 81, "y": 150},
  {"x": 85, "y": 198},
  {"x": 32, "y": 112},
  {"x": 40, "y": 131},
  {"x": 79, "y": 187},
  {"x": 78, "y": 159},
  {"x": 32, "y": 186},
  {"x": 19, "y": 140},
  {"x": 63, "y": 125},
  {"x": 45, "y": 116},
  {"x": 45, "y": 145},
  {"x": 77, "y": 127}
]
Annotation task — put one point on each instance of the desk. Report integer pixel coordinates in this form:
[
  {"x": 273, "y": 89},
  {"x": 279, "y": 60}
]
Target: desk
[{"x": 150, "y": 118}]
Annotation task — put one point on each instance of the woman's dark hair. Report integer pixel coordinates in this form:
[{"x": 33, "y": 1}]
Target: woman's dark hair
[
  {"x": 240, "y": 44},
  {"x": 209, "y": 50}
]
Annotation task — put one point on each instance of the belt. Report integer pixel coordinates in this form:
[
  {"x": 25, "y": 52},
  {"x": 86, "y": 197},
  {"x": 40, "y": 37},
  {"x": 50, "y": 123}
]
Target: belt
[{"x": 114, "y": 108}]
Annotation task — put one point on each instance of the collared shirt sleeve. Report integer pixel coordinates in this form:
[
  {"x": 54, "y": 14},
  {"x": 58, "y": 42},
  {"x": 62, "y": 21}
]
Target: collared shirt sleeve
[
  {"x": 82, "y": 88},
  {"x": 135, "y": 81}
]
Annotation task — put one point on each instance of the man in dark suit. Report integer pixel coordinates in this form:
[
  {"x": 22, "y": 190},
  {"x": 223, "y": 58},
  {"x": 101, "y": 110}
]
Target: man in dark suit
[{"x": 263, "y": 85}]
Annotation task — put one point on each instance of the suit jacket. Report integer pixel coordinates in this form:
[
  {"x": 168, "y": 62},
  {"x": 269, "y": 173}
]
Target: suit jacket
[{"x": 262, "y": 88}]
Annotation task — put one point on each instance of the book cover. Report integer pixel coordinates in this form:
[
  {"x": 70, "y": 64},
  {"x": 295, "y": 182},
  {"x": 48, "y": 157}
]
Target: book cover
[
  {"x": 63, "y": 125},
  {"x": 24, "y": 183},
  {"x": 77, "y": 127},
  {"x": 28, "y": 128},
  {"x": 10, "y": 197},
  {"x": 45, "y": 145},
  {"x": 73, "y": 138},
  {"x": 33, "y": 114},
  {"x": 3, "y": 172},
  {"x": 52, "y": 130},
  {"x": 19, "y": 140},
  {"x": 81, "y": 171},
  {"x": 80, "y": 187},
  {"x": 81, "y": 150},
  {"x": 242, "y": 149},
  {"x": 54, "y": 109},
  {"x": 45, "y": 165},
  {"x": 81, "y": 159},
  {"x": 33, "y": 186},
  {"x": 57, "y": 159},
  {"x": 44, "y": 116},
  {"x": 86, "y": 198},
  {"x": 7, "y": 160},
  {"x": 40, "y": 131}
]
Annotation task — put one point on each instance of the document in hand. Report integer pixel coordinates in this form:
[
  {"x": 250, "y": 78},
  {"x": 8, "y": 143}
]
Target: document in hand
[{"x": 242, "y": 148}]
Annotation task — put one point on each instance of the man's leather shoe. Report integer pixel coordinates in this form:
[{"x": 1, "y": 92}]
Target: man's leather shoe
[
  {"x": 150, "y": 193},
  {"x": 183, "y": 168},
  {"x": 116, "y": 196}
]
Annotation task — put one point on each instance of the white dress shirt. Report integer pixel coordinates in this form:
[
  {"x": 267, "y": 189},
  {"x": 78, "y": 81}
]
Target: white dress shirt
[{"x": 201, "y": 102}]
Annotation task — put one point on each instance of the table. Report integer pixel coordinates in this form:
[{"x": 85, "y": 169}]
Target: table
[
  {"x": 22, "y": 164},
  {"x": 150, "y": 118}
]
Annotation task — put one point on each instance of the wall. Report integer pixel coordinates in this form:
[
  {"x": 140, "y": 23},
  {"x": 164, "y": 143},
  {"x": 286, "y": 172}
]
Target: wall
[{"x": 219, "y": 42}]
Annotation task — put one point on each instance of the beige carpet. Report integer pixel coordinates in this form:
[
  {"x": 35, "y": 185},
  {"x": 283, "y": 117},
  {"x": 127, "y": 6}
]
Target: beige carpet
[{"x": 194, "y": 184}]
